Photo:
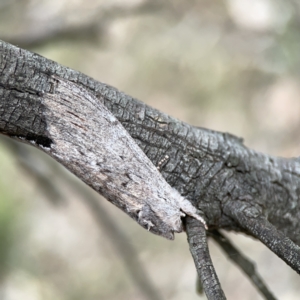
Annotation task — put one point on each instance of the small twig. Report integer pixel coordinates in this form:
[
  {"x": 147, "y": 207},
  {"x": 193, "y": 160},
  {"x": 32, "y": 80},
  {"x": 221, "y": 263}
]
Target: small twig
[
  {"x": 252, "y": 221},
  {"x": 198, "y": 246},
  {"x": 247, "y": 266}
]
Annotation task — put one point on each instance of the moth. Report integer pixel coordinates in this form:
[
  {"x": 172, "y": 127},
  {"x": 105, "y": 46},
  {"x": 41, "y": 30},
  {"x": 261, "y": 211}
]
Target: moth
[{"x": 89, "y": 141}]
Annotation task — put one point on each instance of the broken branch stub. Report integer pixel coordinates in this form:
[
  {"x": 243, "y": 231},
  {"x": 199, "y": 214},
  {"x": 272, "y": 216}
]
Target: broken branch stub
[{"x": 92, "y": 144}]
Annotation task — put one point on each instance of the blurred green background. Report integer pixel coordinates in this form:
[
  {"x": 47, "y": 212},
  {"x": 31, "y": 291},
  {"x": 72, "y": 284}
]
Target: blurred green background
[{"x": 231, "y": 65}]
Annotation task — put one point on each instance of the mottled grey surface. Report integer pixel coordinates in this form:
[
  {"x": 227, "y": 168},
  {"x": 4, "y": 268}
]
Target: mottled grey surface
[
  {"x": 199, "y": 249},
  {"x": 213, "y": 170}
]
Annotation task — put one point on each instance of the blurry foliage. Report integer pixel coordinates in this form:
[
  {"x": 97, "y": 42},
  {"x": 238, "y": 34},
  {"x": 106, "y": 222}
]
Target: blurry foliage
[
  {"x": 7, "y": 229},
  {"x": 10, "y": 231}
]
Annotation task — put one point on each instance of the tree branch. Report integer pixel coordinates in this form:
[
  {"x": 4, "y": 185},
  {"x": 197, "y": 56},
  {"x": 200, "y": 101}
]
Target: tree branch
[
  {"x": 198, "y": 246},
  {"x": 75, "y": 119},
  {"x": 250, "y": 218},
  {"x": 205, "y": 166}
]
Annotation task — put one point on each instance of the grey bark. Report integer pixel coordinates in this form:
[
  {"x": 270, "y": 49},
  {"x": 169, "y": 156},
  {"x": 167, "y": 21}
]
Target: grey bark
[
  {"x": 206, "y": 167},
  {"x": 234, "y": 187},
  {"x": 196, "y": 234},
  {"x": 71, "y": 125}
]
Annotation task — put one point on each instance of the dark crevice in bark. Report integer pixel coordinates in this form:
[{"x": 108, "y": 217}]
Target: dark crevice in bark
[{"x": 40, "y": 140}]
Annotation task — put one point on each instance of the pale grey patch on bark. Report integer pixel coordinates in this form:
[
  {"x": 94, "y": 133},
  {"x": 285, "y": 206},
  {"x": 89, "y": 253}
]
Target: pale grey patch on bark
[{"x": 92, "y": 144}]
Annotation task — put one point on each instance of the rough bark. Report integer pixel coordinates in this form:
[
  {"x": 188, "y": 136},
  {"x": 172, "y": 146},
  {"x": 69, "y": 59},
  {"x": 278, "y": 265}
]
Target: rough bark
[
  {"x": 71, "y": 125},
  {"x": 234, "y": 187},
  {"x": 198, "y": 246}
]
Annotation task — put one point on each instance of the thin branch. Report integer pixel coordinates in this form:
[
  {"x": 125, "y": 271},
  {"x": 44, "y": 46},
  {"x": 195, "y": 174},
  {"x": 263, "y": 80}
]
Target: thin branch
[
  {"x": 198, "y": 246},
  {"x": 250, "y": 218},
  {"x": 247, "y": 266}
]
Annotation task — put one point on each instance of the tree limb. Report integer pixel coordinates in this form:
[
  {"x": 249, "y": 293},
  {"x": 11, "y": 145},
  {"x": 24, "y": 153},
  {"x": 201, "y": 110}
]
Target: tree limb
[
  {"x": 205, "y": 166},
  {"x": 74, "y": 119},
  {"x": 251, "y": 219}
]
